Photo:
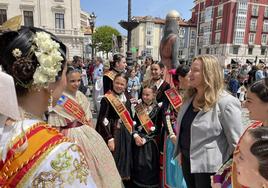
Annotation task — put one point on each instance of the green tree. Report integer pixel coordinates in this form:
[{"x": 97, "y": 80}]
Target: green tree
[{"x": 102, "y": 38}]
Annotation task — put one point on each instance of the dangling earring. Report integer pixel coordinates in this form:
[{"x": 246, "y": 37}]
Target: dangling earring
[{"x": 50, "y": 102}]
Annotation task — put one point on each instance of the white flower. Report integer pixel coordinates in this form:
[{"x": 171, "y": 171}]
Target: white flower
[
  {"x": 49, "y": 58},
  {"x": 152, "y": 128},
  {"x": 105, "y": 121},
  {"x": 16, "y": 53}
]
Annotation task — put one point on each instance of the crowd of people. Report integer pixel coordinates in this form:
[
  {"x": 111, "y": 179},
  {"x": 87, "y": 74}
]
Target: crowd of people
[{"x": 148, "y": 133}]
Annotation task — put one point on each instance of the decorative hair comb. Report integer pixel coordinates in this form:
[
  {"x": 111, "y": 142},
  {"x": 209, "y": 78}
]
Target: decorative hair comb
[{"x": 12, "y": 24}]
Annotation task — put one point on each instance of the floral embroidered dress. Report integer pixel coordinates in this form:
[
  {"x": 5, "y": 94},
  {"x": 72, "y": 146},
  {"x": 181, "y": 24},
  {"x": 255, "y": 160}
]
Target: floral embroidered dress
[
  {"x": 39, "y": 156},
  {"x": 97, "y": 154}
]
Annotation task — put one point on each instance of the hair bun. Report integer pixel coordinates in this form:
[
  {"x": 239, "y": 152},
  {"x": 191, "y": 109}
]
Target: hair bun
[{"x": 23, "y": 69}]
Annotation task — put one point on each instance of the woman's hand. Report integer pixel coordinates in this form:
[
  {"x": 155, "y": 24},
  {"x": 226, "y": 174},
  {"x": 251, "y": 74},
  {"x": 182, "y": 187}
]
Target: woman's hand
[
  {"x": 173, "y": 139},
  {"x": 179, "y": 158},
  {"x": 215, "y": 185},
  {"x": 111, "y": 145},
  {"x": 139, "y": 141}
]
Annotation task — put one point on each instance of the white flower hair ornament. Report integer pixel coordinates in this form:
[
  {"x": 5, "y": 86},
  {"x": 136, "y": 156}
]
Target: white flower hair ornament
[
  {"x": 16, "y": 53},
  {"x": 49, "y": 58}
]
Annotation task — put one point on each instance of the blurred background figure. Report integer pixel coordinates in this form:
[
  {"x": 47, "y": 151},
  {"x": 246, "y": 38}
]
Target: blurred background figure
[
  {"x": 97, "y": 83},
  {"x": 169, "y": 45},
  {"x": 133, "y": 85}
]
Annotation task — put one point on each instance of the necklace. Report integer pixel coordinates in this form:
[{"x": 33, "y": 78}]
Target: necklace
[{"x": 28, "y": 115}]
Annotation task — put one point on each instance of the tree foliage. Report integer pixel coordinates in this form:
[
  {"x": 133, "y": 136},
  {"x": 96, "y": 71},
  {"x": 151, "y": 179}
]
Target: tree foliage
[{"x": 102, "y": 38}]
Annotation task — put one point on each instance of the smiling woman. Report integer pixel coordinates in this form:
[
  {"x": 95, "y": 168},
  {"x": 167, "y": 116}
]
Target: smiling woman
[
  {"x": 209, "y": 123},
  {"x": 115, "y": 125},
  {"x": 72, "y": 116},
  {"x": 252, "y": 158},
  {"x": 257, "y": 98}
]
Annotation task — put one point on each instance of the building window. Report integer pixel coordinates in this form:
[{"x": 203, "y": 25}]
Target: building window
[
  {"x": 217, "y": 38},
  {"x": 253, "y": 24},
  {"x": 250, "y": 50},
  {"x": 207, "y": 51},
  {"x": 59, "y": 21},
  {"x": 219, "y": 13},
  {"x": 240, "y": 22},
  {"x": 266, "y": 12},
  {"x": 28, "y": 18},
  {"x": 192, "y": 42},
  {"x": 201, "y": 30},
  {"x": 239, "y": 37},
  {"x": 265, "y": 26},
  {"x": 3, "y": 16},
  {"x": 149, "y": 51},
  {"x": 199, "y": 51},
  {"x": 264, "y": 39},
  {"x": 192, "y": 34},
  {"x": 219, "y": 24},
  {"x": 251, "y": 38},
  {"x": 263, "y": 50},
  {"x": 200, "y": 41},
  {"x": 202, "y": 17},
  {"x": 255, "y": 10},
  {"x": 149, "y": 41},
  {"x": 207, "y": 28},
  {"x": 235, "y": 49},
  {"x": 149, "y": 28},
  {"x": 181, "y": 32},
  {"x": 181, "y": 42}
]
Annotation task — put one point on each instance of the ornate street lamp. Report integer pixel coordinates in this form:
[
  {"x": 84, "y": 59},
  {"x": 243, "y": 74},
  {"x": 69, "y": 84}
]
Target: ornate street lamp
[
  {"x": 92, "y": 26},
  {"x": 129, "y": 25}
]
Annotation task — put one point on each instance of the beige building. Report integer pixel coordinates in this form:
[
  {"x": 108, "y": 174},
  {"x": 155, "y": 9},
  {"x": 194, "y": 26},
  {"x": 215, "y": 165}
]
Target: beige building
[
  {"x": 61, "y": 17},
  {"x": 147, "y": 36}
]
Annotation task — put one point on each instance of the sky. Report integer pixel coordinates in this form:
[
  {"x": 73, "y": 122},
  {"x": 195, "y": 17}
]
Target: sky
[{"x": 110, "y": 12}]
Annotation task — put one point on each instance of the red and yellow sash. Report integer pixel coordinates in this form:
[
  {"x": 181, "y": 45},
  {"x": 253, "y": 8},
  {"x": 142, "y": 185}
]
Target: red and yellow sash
[
  {"x": 74, "y": 109},
  {"x": 174, "y": 98},
  {"x": 121, "y": 110},
  {"x": 41, "y": 138},
  {"x": 111, "y": 74},
  {"x": 145, "y": 120}
]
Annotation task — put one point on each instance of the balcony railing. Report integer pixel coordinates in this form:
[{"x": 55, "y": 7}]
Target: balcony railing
[{"x": 72, "y": 32}]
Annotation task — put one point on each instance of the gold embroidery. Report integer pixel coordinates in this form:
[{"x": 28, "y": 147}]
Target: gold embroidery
[
  {"x": 62, "y": 161},
  {"x": 48, "y": 179},
  {"x": 64, "y": 165},
  {"x": 81, "y": 171}
]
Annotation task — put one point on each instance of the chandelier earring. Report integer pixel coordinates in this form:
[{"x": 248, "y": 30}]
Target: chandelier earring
[{"x": 50, "y": 102}]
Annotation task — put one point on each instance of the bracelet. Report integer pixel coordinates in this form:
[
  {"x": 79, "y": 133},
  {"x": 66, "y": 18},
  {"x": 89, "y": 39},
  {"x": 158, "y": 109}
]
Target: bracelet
[{"x": 110, "y": 140}]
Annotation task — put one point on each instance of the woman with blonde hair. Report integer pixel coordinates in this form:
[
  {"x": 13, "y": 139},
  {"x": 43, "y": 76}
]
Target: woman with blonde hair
[{"x": 209, "y": 123}]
